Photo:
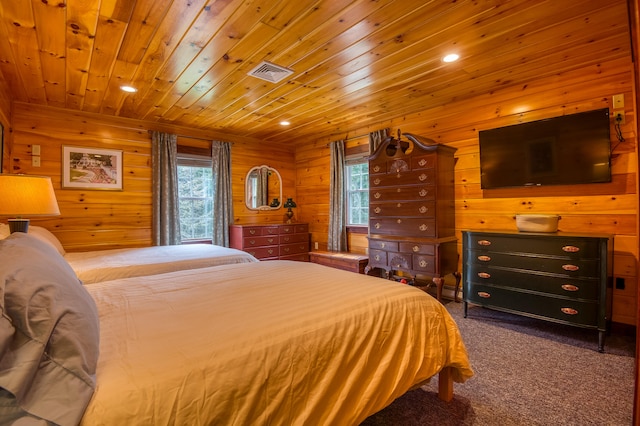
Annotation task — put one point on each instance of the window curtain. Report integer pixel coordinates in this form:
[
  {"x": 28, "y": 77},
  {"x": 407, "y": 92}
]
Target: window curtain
[
  {"x": 164, "y": 165},
  {"x": 222, "y": 196},
  {"x": 376, "y": 138},
  {"x": 337, "y": 210}
]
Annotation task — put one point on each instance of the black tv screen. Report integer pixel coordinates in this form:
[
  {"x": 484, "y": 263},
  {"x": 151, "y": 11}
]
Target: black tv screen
[{"x": 567, "y": 150}]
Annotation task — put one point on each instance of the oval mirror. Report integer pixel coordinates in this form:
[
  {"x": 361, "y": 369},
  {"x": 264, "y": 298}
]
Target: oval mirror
[{"x": 263, "y": 188}]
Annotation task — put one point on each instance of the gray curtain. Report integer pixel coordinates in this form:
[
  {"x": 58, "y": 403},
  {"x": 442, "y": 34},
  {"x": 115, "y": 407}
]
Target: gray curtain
[
  {"x": 222, "y": 196},
  {"x": 166, "y": 214},
  {"x": 337, "y": 209},
  {"x": 376, "y": 138}
]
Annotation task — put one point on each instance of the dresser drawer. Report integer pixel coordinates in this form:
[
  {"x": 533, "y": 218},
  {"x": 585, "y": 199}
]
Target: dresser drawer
[
  {"x": 293, "y": 238},
  {"x": 407, "y": 193},
  {"x": 416, "y": 227},
  {"x": 423, "y": 162},
  {"x": 264, "y": 253},
  {"x": 536, "y": 305},
  {"x": 417, "y": 248},
  {"x": 377, "y": 258},
  {"x": 400, "y": 261},
  {"x": 294, "y": 248},
  {"x": 420, "y": 177},
  {"x": 426, "y": 208},
  {"x": 424, "y": 263},
  {"x": 555, "y": 246},
  {"x": 567, "y": 266},
  {"x": 383, "y": 245},
  {"x": 260, "y": 241},
  {"x": 250, "y": 231},
  {"x": 587, "y": 289}
]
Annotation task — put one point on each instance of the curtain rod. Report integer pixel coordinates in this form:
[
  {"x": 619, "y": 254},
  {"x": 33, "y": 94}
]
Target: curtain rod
[
  {"x": 351, "y": 138},
  {"x": 191, "y": 137}
]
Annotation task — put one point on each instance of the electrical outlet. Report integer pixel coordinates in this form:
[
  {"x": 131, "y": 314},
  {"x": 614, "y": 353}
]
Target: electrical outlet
[
  {"x": 618, "y": 101},
  {"x": 618, "y": 116},
  {"x": 35, "y": 161},
  {"x": 316, "y": 245}
]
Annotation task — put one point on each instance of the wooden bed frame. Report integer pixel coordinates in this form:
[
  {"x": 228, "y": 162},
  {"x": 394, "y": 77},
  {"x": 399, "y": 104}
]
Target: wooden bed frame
[{"x": 445, "y": 384}]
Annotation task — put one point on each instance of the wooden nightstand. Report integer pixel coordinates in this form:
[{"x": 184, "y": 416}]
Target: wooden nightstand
[{"x": 340, "y": 260}]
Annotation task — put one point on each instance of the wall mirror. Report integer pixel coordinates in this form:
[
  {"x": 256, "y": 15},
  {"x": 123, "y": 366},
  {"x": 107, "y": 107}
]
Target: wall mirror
[{"x": 263, "y": 188}]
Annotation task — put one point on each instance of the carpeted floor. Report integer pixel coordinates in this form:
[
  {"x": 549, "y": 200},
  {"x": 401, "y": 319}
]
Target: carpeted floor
[{"x": 527, "y": 372}]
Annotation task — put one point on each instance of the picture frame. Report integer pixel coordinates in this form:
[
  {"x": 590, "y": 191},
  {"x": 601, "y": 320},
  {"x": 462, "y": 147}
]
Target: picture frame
[{"x": 91, "y": 168}]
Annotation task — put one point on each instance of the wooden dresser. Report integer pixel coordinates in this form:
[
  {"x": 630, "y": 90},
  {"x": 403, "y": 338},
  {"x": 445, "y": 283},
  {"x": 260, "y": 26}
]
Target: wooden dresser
[
  {"x": 412, "y": 211},
  {"x": 341, "y": 260},
  {"x": 272, "y": 241},
  {"x": 557, "y": 277}
]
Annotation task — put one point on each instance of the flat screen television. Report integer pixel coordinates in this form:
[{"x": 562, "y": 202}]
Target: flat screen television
[{"x": 567, "y": 150}]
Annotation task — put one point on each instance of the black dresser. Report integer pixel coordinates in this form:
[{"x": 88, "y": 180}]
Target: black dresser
[{"x": 560, "y": 277}]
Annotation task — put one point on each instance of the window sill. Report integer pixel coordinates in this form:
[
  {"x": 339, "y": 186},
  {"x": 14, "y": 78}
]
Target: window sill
[{"x": 357, "y": 229}]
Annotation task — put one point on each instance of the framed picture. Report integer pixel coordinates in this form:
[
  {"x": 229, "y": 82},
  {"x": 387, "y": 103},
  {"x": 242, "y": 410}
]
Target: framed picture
[{"x": 91, "y": 168}]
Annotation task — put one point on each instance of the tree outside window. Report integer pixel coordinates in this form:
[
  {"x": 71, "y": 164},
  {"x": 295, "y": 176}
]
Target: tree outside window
[{"x": 357, "y": 179}]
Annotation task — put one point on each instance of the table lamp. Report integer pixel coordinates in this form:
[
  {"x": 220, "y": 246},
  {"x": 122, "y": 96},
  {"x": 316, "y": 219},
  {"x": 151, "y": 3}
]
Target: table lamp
[
  {"x": 26, "y": 195},
  {"x": 289, "y": 204}
]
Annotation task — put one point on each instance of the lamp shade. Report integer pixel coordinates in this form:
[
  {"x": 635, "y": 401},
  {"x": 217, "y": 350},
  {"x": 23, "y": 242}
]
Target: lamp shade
[{"x": 27, "y": 195}]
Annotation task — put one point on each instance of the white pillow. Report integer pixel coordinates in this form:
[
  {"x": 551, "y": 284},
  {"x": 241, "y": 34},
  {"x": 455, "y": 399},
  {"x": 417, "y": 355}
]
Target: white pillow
[
  {"x": 46, "y": 236},
  {"x": 4, "y": 231}
]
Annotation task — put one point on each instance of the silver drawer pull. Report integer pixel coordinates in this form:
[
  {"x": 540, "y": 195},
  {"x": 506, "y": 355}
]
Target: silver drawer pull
[
  {"x": 423, "y": 263},
  {"x": 569, "y": 311},
  {"x": 378, "y": 210},
  {"x": 422, "y": 162},
  {"x": 422, "y": 177},
  {"x": 484, "y": 242},
  {"x": 484, "y": 275},
  {"x": 376, "y": 181},
  {"x": 570, "y": 287},
  {"x": 423, "y": 192},
  {"x": 377, "y": 195},
  {"x": 484, "y": 258},
  {"x": 571, "y": 268},
  {"x": 571, "y": 249},
  {"x": 423, "y": 227},
  {"x": 423, "y": 209},
  {"x": 376, "y": 169},
  {"x": 484, "y": 294},
  {"x": 415, "y": 249}
]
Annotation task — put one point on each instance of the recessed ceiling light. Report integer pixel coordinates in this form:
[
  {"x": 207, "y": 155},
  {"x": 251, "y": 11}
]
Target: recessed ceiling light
[
  {"x": 452, "y": 57},
  {"x": 128, "y": 89},
  {"x": 284, "y": 123}
]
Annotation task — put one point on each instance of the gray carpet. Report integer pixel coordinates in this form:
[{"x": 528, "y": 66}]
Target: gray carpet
[{"x": 527, "y": 372}]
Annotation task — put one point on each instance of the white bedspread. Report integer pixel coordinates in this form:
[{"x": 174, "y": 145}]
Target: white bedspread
[
  {"x": 266, "y": 343},
  {"x": 96, "y": 266}
]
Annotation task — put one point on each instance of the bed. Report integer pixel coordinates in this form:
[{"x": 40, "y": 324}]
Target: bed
[
  {"x": 276, "y": 342},
  {"x": 102, "y": 265}
]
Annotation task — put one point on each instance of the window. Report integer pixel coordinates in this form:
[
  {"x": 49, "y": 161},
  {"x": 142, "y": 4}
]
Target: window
[
  {"x": 357, "y": 179},
  {"x": 195, "y": 197}
]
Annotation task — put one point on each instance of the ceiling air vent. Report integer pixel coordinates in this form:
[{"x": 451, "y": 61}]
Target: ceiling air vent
[{"x": 270, "y": 72}]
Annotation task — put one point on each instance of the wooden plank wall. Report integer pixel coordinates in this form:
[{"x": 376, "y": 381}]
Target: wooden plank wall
[
  {"x": 610, "y": 208},
  {"x": 5, "y": 120},
  {"x": 91, "y": 219}
]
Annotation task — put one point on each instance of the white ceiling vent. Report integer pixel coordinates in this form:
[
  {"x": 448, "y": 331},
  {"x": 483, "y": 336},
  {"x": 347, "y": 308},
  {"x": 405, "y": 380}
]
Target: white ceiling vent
[{"x": 270, "y": 72}]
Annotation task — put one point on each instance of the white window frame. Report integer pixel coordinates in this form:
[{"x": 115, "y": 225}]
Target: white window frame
[
  {"x": 349, "y": 163},
  {"x": 191, "y": 160}
]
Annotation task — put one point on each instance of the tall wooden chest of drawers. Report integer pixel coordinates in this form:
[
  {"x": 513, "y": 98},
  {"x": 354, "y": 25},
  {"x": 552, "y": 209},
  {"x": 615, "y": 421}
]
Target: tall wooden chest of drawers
[
  {"x": 565, "y": 278},
  {"x": 272, "y": 241},
  {"x": 412, "y": 210}
]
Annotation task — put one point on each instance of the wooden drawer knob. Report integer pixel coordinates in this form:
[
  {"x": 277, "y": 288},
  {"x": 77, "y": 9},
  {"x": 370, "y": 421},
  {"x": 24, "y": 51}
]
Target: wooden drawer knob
[
  {"x": 571, "y": 268},
  {"x": 484, "y": 275},
  {"x": 484, "y": 294},
  {"x": 569, "y": 311},
  {"x": 484, "y": 258},
  {"x": 484, "y": 242},
  {"x": 571, "y": 249},
  {"x": 570, "y": 287}
]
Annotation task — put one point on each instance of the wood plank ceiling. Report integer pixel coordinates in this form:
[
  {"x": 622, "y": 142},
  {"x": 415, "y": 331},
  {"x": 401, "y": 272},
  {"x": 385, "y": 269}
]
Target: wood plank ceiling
[{"x": 356, "y": 63}]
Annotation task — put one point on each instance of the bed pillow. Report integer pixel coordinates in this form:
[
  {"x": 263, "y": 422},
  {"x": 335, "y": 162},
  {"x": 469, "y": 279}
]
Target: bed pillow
[
  {"x": 46, "y": 236},
  {"x": 4, "y": 231},
  {"x": 49, "y": 332}
]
